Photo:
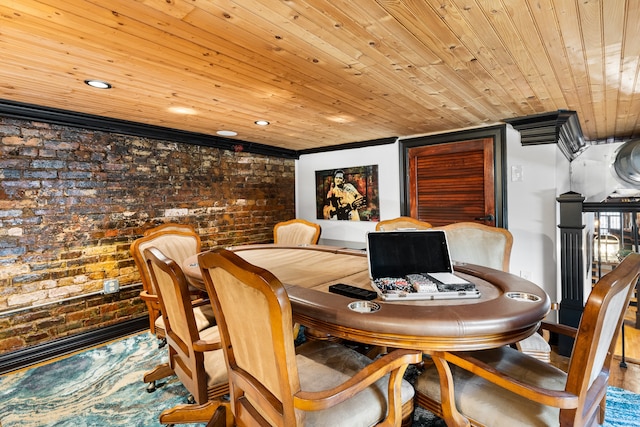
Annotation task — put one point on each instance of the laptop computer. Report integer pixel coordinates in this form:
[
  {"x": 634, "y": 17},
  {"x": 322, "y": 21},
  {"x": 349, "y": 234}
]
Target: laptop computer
[{"x": 414, "y": 264}]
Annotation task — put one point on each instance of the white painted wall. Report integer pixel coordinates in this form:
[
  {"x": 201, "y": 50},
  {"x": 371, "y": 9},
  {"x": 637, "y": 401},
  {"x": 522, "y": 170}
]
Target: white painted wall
[
  {"x": 532, "y": 210},
  {"x": 350, "y": 233},
  {"x": 531, "y": 203}
]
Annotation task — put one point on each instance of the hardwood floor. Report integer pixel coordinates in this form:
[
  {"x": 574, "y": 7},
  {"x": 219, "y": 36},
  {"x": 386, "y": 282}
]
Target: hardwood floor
[{"x": 627, "y": 378}]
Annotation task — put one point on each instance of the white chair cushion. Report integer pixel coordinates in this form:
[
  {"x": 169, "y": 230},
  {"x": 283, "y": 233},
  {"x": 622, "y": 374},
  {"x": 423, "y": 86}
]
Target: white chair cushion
[
  {"x": 535, "y": 346},
  {"x": 203, "y": 314},
  {"x": 494, "y": 406},
  {"x": 295, "y": 234},
  {"x": 324, "y": 365},
  {"x": 160, "y": 329},
  {"x": 476, "y": 247},
  {"x": 214, "y": 363}
]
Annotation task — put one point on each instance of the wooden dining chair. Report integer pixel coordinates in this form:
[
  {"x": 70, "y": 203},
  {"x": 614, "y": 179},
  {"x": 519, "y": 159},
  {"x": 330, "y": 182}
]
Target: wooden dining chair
[
  {"x": 195, "y": 356},
  {"x": 153, "y": 306},
  {"x": 296, "y": 232},
  {"x": 177, "y": 242},
  {"x": 481, "y": 244},
  {"x": 505, "y": 387},
  {"x": 272, "y": 382},
  {"x": 402, "y": 222}
]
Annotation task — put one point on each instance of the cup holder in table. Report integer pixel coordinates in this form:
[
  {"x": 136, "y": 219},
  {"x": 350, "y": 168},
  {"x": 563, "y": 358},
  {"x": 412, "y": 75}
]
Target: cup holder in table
[
  {"x": 523, "y": 296},
  {"x": 364, "y": 306}
]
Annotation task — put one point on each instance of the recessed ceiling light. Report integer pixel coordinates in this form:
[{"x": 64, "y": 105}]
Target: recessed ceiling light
[
  {"x": 98, "y": 84},
  {"x": 227, "y": 133},
  {"x": 183, "y": 110},
  {"x": 262, "y": 123},
  {"x": 340, "y": 119}
]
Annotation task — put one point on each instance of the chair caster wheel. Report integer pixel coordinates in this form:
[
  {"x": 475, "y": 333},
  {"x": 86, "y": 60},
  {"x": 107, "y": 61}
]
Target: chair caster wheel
[
  {"x": 191, "y": 400},
  {"x": 151, "y": 387},
  {"x": 162, "y": 342}
]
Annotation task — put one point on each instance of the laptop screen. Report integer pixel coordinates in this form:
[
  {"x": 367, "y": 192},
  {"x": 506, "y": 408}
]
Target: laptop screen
[{"x": 398, "y": 253}]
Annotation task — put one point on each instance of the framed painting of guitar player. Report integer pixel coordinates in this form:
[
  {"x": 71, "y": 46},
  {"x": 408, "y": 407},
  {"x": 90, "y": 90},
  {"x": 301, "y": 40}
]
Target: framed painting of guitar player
[{"x": 348, "y": 194}]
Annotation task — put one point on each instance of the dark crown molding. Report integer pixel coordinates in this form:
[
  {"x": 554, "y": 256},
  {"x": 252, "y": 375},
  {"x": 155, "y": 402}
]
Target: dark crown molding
[
  {"x": 558, "y": 127},
  {"x": 18, "y": 110},
  {"x": 350, "y": 145}
]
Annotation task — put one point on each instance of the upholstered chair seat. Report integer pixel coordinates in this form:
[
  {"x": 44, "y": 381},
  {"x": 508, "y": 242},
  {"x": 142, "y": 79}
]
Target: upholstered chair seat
[
  {"x": 323, "y": 366},
  {"x": 195, "y": 356},
  {"x": 213, "y": 362},
  {"x": 480, "y": 244},
  {"x": 296, "y": 232},
  {"x": 177, "y": 242},
  {"x": 504, "y": 387},
  {"x": 272, "y": 382},
  {"x": 499, "y": 407},
  {"x": 203, "y": 314}
]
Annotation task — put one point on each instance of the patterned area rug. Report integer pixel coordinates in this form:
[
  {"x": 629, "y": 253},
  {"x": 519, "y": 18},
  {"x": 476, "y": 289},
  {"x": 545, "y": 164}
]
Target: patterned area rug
[
  {"x": 99, "y": 387},
  {"x": 103, "y": 386}
]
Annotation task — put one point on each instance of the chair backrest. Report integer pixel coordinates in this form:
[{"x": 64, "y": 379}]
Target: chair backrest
[
  {"x": 402, "y": 222},
  {"x": 170, "y": 226},
  {"x": 175, "y": 244},
  {"x": 254, "y": 318},
  {"x": 180, "y": 323},
  {"x": 479, "y": 244},
  {"x": 296, "y": 232},
  {"x": 598, "y": 331}
]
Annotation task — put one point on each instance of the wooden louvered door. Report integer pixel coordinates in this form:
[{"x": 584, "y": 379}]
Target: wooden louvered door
[{"x": 453, "y": 182}]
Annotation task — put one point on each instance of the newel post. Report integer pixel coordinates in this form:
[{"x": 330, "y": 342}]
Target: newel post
[{"x": 572, "y": 265}]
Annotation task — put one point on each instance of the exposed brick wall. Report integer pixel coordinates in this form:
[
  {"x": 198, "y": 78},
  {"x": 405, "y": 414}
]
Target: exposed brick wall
[
  {"x": 72, "y": 316},
  {"x": 72, "y": 200}
]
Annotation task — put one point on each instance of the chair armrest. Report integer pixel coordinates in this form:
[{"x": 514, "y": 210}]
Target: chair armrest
[
  {"x": 202, "y": 345},
  {"x": 558, "y": 328},
  {"x": 556, "y": 398},
  {"x": 200, "y": 301},
  {"x": 146, "y": 296},
  {"x": 193, "y": 291},
  {"x": 396, "y": 361}
]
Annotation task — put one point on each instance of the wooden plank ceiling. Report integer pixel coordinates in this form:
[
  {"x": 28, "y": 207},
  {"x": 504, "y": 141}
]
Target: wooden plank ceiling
[{"x": 326, "y": 72}]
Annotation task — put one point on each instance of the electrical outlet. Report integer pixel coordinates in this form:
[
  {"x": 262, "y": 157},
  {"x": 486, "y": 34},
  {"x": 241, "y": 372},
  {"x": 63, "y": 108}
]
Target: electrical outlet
[
  {"x": 111, "y": 286},
  {"x": 516, "y": 173}
]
